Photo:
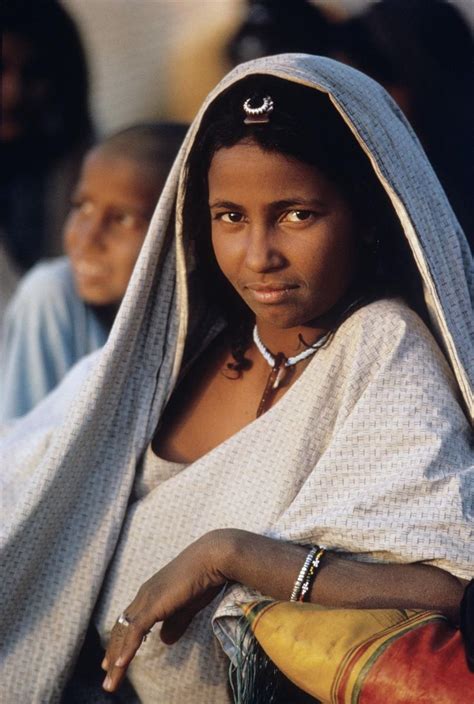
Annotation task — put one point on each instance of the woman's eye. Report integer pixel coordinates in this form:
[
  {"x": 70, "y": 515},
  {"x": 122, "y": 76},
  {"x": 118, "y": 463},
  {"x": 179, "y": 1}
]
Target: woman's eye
[
  {"x": 298, "y": 215},
  {"x": 125, "y": 220},
  {"x": 230, "y": 217},
  {"x": 85, "y": 207}
]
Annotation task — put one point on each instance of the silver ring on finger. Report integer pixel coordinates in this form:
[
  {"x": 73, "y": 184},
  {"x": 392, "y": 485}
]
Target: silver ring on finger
[{"x": 123, "y": 620}]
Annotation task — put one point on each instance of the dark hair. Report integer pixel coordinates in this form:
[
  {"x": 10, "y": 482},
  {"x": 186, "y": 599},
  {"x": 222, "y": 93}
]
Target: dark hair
[
  {"x": 59, "y": 57},
  {"x": 306, "y": 126},
  {"x": 419, "y": 46},
  {"x": 275, "y": 27},
  {"x": 154, "y": 144}
]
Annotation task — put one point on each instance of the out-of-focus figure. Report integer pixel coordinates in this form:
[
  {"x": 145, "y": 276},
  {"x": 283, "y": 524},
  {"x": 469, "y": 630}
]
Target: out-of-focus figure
[
  {"x": 64, "y": 307},
  {"x": 422, "y": 52},
  {"x": 45, "y": 125},
  {"x": 277, "y": 26},
  {"x": 205, "y": 49}
]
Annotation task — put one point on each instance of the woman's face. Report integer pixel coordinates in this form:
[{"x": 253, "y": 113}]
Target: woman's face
[
  {"x": 111, "y": 209},
  {"x": 24, "y": 88},
  {"x": 282, "y": 234}
]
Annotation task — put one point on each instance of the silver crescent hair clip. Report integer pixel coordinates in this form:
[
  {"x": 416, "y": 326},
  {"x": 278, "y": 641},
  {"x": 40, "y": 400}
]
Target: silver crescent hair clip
[{"x": 259, "y": 114}]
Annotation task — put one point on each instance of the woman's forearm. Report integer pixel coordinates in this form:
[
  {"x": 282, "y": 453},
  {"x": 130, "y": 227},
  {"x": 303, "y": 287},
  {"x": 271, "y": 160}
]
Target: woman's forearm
[
  {"x": 188, "y": 583},
  {"x": 271, "y": 567}
]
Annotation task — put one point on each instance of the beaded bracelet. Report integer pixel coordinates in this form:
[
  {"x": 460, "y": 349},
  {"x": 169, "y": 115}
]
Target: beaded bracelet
[
  {"x": 312, "y": 572},
  {"x": 303, "y": 573}
]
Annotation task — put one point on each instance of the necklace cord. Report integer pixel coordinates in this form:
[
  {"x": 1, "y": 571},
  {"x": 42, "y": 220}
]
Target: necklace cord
[
  {"x": 272, "y": 384},
  {"x": 279, "y": 362},
  {"x": 278, "y": 365},
  {"x": 290, "y": 361}
]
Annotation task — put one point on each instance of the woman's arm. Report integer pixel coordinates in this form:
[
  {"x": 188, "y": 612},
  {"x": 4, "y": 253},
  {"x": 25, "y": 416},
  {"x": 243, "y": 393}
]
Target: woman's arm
[
  {"x": 188, "y": 583},
  {"x": 271, "y": 567}
]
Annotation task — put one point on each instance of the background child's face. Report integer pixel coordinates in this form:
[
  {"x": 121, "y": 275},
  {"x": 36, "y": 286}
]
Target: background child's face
[{"x": 111, "y": 209}]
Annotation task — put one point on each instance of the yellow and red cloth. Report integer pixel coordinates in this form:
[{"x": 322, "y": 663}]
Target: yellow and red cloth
[{"x": 363, "y": 656}]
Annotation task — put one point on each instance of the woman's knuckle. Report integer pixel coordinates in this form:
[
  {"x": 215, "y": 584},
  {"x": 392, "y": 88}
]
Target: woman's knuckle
[{"x": 136, "y": 625}]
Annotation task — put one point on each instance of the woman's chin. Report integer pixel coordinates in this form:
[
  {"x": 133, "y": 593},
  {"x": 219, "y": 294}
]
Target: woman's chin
[
  {"x": 95, "y": 296},
  {"x": 285, "y": 318},
  {"x": 279, "y": 319}
]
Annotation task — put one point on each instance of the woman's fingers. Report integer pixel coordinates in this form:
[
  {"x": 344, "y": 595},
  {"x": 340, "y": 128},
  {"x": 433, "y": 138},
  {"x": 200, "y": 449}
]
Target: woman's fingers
[
  {"x": 125, "y": 639},
  {"x": 131, "y": 641},
  {"x": 136, "y": 622},
  {"x": 172, "y": 595},
  {"x": 175, "y": 625},
  {"x": 114, "y": 674}
]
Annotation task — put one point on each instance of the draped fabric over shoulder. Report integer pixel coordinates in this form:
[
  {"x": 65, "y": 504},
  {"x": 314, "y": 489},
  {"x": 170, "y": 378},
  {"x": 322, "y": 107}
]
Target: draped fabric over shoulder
[{"x": 383, "y": 406}]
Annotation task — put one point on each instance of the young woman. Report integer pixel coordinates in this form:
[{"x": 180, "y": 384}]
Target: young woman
[{"x": 268, "y": 385}]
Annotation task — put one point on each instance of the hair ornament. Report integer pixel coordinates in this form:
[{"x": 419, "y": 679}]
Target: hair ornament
[{"x": 258, "y": 114}]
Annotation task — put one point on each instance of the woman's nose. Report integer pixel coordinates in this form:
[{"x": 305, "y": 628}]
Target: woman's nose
[
  {"x": 262, "y": 253},
  {"x": 88, "y": 233}
]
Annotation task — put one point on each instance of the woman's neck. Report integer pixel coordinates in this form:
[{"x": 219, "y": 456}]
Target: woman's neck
[{"x": 289, "y": 341}]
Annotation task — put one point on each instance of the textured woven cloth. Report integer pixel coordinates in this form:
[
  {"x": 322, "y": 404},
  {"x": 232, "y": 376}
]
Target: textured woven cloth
[{"x": 368, "y": 452}]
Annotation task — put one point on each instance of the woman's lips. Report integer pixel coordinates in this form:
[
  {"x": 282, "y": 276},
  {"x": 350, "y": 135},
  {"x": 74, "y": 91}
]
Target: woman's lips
[
  {"x": 271, "y": 293},
  {"x": 88, "y": 271}
]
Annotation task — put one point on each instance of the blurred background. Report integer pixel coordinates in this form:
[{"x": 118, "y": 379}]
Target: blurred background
[
  {"x": 159, "y": 58},
  {"x": 76, "y": 70}
]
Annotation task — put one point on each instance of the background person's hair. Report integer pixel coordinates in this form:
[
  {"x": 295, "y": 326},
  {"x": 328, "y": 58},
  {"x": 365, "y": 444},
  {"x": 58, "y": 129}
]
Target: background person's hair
[
  {"x": 422, "y": 51},
  {"x": 303, "y": 125},
  {"x": 59, "y": 58},
  {"x": 153, "y": 144},
  {"x": 275, "y": 27}
]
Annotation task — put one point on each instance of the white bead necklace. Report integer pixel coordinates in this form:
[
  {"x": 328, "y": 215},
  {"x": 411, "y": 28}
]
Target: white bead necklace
[
  {"x": 278, "y": 365},
  {"x": 291, "y": 361}
]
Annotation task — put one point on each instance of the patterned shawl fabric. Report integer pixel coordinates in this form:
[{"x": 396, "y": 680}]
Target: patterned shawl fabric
[{"x": 367, "y": 453}]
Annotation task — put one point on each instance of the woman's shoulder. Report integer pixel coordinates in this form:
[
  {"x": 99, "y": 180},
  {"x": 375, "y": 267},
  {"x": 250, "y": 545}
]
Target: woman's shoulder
[
  {"x": 393, "y": 309},
  {"x": 387, "y": 332},
  {"x": 387, "y": 353},
  {"x": 48, "y": 282},
  {"x": 52, "y": 273},
  {"x": 387, "y": 320}
]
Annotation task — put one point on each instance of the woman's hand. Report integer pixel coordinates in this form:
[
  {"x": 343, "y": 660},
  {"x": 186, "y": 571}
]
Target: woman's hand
[
  {"x": 173, "y": 595},
  {"x": 187, "y": 584}
]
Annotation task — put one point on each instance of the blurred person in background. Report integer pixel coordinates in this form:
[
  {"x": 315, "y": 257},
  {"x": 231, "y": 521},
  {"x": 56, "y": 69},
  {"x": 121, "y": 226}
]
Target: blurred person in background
[
  {"x": 203, "y": 51},
  {"x": 422, "y": 53},
  {"x": 273, "y": 27},
  {"x": 64, "y": 308},
  {"x": 45, "y": 126}
]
